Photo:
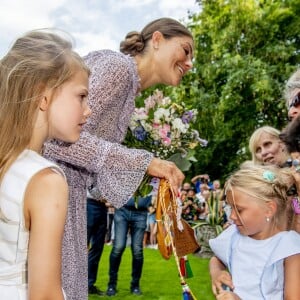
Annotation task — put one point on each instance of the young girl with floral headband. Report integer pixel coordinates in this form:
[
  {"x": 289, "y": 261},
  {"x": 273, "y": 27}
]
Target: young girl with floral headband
[{"x": 255, "y": 258}]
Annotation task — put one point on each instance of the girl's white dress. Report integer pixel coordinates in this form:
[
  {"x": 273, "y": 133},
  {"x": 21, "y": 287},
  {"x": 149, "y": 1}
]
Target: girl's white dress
[
  {"x": 256, "y": 266},
  {"x": 13, "y": 234}
]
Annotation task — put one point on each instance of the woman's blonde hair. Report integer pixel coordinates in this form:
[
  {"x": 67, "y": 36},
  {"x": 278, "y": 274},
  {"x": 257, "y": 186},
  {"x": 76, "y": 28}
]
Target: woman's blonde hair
[
  {"x": 255, "y": 138},
  {"x": 136, "y": 42},
  {"x": 265, "y": 183},
  {"x": 39, "y": 60}
]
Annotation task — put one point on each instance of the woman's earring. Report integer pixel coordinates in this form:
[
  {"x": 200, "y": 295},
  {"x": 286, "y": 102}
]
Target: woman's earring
[{"x": 267, "y": 219}]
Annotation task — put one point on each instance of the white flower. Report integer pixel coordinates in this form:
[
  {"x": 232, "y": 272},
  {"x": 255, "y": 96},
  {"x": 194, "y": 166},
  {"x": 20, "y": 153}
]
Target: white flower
[
  {"x": 161, "y": 114},
  {"x": 178, "y": 124},
  {"x": 166, "y": 101}
]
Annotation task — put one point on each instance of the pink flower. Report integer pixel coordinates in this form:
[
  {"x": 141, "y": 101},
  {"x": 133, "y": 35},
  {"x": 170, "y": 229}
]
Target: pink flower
[
  {"x": 149, "y": 103},
  {"x": 166, "y": 141},
  {"x": 164, "y": 131},
  {"x": 141, "y": 113}
]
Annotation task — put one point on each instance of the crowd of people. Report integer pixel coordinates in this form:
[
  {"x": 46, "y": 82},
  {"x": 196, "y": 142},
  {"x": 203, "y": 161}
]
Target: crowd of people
[
  {"x": 67, "y": 180},
  {"x": 196, "y": 196}
]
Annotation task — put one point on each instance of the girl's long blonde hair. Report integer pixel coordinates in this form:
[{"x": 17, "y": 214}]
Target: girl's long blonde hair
[{"x": 39, "y": 60}]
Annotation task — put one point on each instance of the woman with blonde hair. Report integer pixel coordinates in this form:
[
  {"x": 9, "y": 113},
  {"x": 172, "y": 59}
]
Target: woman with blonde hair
[{"x": 266, "y": 147}]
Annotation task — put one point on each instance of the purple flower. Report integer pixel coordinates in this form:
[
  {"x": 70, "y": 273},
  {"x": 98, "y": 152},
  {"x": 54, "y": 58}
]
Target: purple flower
[
  {"x": 140, "y": 133},
  {"x": 187, "y": 117}
]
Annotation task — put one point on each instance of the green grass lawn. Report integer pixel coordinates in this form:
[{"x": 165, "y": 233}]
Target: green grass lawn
[{"x": 160, "y": 280}]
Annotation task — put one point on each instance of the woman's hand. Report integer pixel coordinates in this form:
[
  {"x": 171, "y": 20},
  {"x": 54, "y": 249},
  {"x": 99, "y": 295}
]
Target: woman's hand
[{"x": 168, "y": 170}]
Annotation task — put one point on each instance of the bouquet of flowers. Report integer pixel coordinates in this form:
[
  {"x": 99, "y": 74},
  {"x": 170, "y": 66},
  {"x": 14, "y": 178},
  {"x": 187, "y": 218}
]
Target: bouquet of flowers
[{"x": 165, "y": 129}]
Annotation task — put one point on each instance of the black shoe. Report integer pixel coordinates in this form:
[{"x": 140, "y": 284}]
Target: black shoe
[
  {"x": 111, "y": 291},
  {"x": 94, "y": 290},
  {"x": 136, "y": 291}
]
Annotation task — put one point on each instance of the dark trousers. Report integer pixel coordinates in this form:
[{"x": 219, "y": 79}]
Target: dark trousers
[
  {"x": 135, "y": 222},
  {"x": 96, "y": 231},
  {"x": 110, "y": 220}
]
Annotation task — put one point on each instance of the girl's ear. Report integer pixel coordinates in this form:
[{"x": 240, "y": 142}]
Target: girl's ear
[
  {"x": 44, "y": 104},
  {"x": 45, "y": 101},
  {"x": 156, "y": 38},
  {"x": 271, "y": 209}
]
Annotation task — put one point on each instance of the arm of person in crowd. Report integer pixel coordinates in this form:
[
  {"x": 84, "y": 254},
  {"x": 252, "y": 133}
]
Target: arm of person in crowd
[
  {"x": 220, "y": 277},
  {"x": 186, "y": 204},
  {"x": 198, "y": 177},
  {"x": 195, "y": 178},
  {"x": 45, "y": 209}
]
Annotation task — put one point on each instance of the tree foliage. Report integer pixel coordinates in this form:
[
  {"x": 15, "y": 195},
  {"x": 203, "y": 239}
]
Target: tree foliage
[{"x": 245, "y": 50}]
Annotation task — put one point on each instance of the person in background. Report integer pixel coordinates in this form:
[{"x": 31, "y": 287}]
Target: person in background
[
  {"x": 161, "y": 53},
  {"x": 130, "y": 219},
  {"x": 43, "y": 95},
  {"x": 217, "y": 190},
  {"x": 258, "y": 196},
  {"x": 291, "y": 137},
  {"x": 292, "y": 95},
  {"x": 266, "y": 147},
  {"x": 191, "y": 207},
  {"x": 96, "y": 232},
  {"x": 200, "y": 180},
  {"x": 152, "y": 225},
  {"x": 110, "y": 219},
  {"x": 186, "y": 186},
  {"x": 269, "y": 146}
]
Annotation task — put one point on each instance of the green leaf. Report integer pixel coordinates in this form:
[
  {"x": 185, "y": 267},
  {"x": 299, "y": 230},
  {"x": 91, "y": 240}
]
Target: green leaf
[{"x": 181, "y": 162}]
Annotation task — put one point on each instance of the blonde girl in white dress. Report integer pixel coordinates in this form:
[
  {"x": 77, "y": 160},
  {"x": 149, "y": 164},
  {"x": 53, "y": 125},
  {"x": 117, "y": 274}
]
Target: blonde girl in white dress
[
  {"x": 255, "y": 257},
  {"x": 43, "y": 93}
]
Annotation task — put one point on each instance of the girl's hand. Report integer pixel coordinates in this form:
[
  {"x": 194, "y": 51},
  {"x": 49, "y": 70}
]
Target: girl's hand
[
  {"x": 226, "y": 295},
  {"x": 220, "y": 280}
]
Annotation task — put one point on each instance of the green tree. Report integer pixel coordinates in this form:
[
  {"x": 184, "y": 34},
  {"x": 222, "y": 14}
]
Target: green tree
[{"x": 245, "y": 50}]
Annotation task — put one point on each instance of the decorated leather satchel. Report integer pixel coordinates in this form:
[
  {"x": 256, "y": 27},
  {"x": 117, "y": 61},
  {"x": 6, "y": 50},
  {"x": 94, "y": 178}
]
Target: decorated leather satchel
[{"x": 174, "y": 235}]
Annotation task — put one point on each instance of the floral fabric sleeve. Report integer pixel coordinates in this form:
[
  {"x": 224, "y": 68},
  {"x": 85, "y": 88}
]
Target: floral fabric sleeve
[{"x": 119, "y": 170}]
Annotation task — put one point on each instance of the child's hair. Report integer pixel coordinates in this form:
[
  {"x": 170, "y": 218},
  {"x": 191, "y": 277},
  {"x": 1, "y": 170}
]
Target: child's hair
[
  {"x": 255, "y": 137},
  {"x": 136, "y": 42},
  {"x": 265, "y": 183},
  {"x": 37, "y": 61}
]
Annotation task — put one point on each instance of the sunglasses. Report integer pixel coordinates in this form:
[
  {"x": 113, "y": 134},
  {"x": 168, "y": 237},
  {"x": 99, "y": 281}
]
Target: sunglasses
[{"x": 295, "y": 102}]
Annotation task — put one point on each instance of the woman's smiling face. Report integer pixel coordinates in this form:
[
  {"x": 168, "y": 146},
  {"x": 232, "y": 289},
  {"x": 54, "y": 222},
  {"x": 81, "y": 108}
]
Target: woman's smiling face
[{"x": 175, "y": 58}]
